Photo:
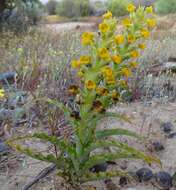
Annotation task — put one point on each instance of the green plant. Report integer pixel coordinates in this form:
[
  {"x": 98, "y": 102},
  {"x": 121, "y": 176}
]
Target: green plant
[
  {"x": 165, "y": 7},
  {"x": 117, "y": 7},
  {"x": 76, "y": 8},
  {"x": 104, "y": 72}
]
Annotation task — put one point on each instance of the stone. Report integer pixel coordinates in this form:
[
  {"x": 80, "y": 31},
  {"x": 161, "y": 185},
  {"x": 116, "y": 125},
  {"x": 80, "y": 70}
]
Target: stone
[
  {"x": 4, "y": 149},
  {"x": 172, "y": 135},
  {"x": 157, "y": 146},
  {"x": 164, "y": 180},
  {"x": 144, "y": 174},
  {"x": 167, "y": 127},
  {"x": 123, "y": 181},
  {"x": 99, "y": 168}
]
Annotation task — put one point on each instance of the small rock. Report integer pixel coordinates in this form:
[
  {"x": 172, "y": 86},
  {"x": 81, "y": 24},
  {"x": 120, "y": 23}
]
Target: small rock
[
  {"x": 172, "y": 135},
  {"x": 99, "y": 168},
  {"x": 157, "y": 146},
  {"x": 144, "y": 174},
  {"x": 123, "y": 181},
  {"x": 3, "y": 148},
  {"x": 174, "y": 180},
  {"x": 164, "y": 180},
  {"x": 167, "y": 127},
  {"x": 110, "y": 185}
]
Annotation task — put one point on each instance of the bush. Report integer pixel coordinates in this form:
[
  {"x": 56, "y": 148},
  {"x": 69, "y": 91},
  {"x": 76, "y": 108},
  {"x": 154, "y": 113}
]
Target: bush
[
  {"x": 51, "y": 7},
  {"x": 165, "y": 7},
  {"x": 117, "y": 7},
  {"x": 19, "y": 18},
  {"x": 76, "y": 8}
]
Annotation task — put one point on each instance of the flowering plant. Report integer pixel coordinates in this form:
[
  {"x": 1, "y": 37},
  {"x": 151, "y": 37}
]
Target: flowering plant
[{"x": 104, "y": 72}]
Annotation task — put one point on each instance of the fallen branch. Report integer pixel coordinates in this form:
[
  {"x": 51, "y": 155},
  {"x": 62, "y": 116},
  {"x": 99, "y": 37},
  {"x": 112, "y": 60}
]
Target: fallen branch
[{"x": 41, "y": 175}]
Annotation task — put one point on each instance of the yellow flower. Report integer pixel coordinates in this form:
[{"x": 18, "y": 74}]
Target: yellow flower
[
  {"x": 75, "y": 64},
  {"x": 107, "y": 71},
  {"x": 131, "y": 38},
  {"x": 126, "y": 72},
  {"x": 117, "y": 59},
  {"x": 115, "y": 95},
  {"x": 73, "y": 90},
  {"x": 151, "y": 23},
  {"x": 80, "y": 74},
  {"x": 119, "y": 39},
  {"x": 134, "y": 54},
  {"x": 145, "y": 33},
  {"x": 149, "y": 9},
  {"x": 102, "y": 91},
  {"x": 103, "y": 27},
  {"x": 87, "y": 38},
  {"x": 85, "y": 59},
  {"x": 2, "y": 93},
  {"x": 107, "y": 15},
  {"x": 110, "y": 80},
  {"x": 126, "y": 22},
  {"x": 90, "y": 85},
  {"x": 103, "y": 53},
  {"x": 142, "y": 46},
  {"x": 131, "y": 8},
  {"x": 133, "y": 65}
]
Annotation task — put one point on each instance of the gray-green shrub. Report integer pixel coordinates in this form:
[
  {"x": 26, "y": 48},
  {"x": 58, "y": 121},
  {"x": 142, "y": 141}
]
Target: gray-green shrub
[{"x": 165, "y": 7}]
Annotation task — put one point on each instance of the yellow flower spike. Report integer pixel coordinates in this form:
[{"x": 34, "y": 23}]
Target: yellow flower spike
[
  {"x": 119, "y": 39},
  {"x": 145, "y": 33},
  {"x": 131, "y": 8},
  {"x": 90, "y": 85},
  {"x": 87, "y": 38},
  {"x": 107, "y": 15},
  {"x": 127, "y": 22},
  {"x": 131, "y": 39},
  {"x": 117, "y": 59},
  {"x": 141, "y": 46},
  {"x": 149, "y": 10},
  {"x": 151, "y": 23},
  {"x": 134, "y": 54},
  {"x": 2, "y": 93},
  {"x": 103, "y": 27},
  {"x": 126, "y": 72},
  {"x": 103, "y": 53},
  {"x": 84, "y": 59},
  {"x": 75, "y": 64}
]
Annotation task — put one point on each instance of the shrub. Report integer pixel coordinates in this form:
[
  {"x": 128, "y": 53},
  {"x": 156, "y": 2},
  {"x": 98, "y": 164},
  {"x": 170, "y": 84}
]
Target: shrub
[
  {"x": 117, "y": 7},
  {"x": 104, "y": 70},
  {"x": 51, "y": 7},
  {"x": 76, "y": 8},
  {"x": 165, "y": 7}
]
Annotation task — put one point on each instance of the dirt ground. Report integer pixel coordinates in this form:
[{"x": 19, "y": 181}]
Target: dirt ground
[{"x": 146, "y": 118}]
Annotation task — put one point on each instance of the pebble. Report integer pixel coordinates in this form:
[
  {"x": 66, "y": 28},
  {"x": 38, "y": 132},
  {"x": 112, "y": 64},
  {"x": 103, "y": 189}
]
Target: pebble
[
  {"x": 99, "y": 168},
  {"x": 157, "y": 146},
  {"x": 164, "y": 180},
  {"x": 144, "y": 174},
  {"x": 123, "y": 181},
  {"x": 3, "y": 148},
  {"x": 167, "y": 127},
  {"x": 172, "y": 135}
]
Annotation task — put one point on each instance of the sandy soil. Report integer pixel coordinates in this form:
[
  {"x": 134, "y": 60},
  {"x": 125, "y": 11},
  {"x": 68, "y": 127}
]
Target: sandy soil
[{"x": 147, "y": 119}]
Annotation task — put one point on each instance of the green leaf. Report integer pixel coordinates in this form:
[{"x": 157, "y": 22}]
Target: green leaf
[
  {"x": 124, "y": 151},
  {"x": 103, "y": 175},
  {"x": 111, "y": 132}
]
